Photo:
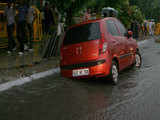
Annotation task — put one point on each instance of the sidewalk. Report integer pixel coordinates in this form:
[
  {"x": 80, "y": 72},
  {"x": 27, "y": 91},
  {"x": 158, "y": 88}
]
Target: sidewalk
[{"x": 13, "y": 66}]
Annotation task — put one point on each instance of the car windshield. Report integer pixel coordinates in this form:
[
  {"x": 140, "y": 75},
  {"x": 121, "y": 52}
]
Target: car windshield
[{"x": 82, "y": 33}]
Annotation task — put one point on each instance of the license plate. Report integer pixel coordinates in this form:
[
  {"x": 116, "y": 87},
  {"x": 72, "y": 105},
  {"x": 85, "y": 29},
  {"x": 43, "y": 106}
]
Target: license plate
[{"x": 80, "y": 72}]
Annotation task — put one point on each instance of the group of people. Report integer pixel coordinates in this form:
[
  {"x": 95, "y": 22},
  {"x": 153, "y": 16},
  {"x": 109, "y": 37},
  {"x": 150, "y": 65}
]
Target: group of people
[
  {"x": 90, "y": 14},
  {"x": 147, "y": 28},
  {"x": 23, "y": 17}
]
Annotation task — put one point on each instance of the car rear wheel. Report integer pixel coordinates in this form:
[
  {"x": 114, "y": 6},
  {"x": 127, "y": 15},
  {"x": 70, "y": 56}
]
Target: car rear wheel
[{"x": 114, "y": 73}]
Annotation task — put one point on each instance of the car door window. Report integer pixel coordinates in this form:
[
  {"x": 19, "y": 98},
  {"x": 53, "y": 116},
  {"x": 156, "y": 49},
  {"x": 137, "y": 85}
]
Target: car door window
[
  {"x": 121, "y": 27},
  {"x": 111, "y": 27}
]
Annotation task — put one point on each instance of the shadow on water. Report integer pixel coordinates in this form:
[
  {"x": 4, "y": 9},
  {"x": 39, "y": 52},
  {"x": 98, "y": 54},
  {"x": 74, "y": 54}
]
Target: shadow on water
[{"x": 94, "y": 81}]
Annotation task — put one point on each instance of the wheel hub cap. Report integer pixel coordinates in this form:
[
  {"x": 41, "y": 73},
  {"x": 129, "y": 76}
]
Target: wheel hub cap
[
  {"x": 138, "y": 60},
  {"x": 115, "y": 73}
]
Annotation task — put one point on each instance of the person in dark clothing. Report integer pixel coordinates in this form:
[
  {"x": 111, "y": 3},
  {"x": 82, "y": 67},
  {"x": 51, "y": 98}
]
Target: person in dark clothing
[
  {"x": 135, "y": 29},
  {"x": 145, "y": 28},
  {"x": 30, "y": 20},
  {"x": 10, "y": 14},
  {"x": 48, "y": 18},
  {"x": 21, "y": 26}
]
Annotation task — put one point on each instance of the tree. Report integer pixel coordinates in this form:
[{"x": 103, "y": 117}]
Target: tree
[
  {"x": 69, "y": 8},
  {"x": 150, "y": 8},
  {"x": 72, "y": 7}
]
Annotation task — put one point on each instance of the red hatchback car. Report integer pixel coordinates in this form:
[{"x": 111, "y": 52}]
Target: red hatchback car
[{"x": 98, "y": 48}]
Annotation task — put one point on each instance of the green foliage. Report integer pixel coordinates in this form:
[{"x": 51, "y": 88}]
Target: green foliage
[
  {"x": 150, "y": 8},
  {"x": 136, "y": 14},
  {"x": 73, "y": 8}
]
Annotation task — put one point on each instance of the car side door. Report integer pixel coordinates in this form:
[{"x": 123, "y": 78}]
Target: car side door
[
  {"x": 127, "y": 41},
  {"x": 117, "y": 45}
]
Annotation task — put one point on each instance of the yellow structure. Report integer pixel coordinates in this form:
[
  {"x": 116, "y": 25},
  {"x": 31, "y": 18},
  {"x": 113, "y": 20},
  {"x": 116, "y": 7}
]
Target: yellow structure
[
  {"x": 37, "y": 25},
  {"x": 157, "y": 29},
  {"x": 3, "y": 28}
]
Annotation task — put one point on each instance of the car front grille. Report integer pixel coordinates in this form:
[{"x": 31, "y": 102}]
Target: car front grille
[{"x": 83, "y": 65}]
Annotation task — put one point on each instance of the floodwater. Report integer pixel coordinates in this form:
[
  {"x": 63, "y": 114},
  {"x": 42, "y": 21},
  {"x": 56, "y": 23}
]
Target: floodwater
[{"x": 136, "y": 97}]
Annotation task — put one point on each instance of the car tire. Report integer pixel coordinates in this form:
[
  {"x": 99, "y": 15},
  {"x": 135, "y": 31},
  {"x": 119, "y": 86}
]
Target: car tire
[
  {"x": 138, "y": 60},
  {"x": 114, "y": 75}
]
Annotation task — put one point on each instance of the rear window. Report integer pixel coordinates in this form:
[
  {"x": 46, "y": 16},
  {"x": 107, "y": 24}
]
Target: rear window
[{"x": 82, "y": 33}]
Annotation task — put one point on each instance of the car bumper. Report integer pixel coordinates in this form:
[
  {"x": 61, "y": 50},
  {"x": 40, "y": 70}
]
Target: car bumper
[{"x": 101, "y": 69}]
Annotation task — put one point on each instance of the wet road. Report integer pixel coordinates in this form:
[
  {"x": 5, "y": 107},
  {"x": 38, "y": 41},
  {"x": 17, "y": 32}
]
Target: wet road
[{"x": 136, "y": 97}]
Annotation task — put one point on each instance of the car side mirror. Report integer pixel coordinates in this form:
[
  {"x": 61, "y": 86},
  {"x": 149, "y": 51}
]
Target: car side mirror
[{"x": 129, "y": 34}]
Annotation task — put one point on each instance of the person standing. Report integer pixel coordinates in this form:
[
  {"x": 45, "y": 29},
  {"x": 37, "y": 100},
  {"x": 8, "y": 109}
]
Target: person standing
[
  {"x": 56, "y": 16},
  {"x": 135, "y": 29},
  {"x": 48, "y": 18},
  {"x": 145, "y": 28},
  {"x": 150, "y": 28},
  {"x": 87, "y": 15},
  {"x": 10, "y": 14},
  {"x": 21, "y": 26},
  {"x": 30, "y": 20}
]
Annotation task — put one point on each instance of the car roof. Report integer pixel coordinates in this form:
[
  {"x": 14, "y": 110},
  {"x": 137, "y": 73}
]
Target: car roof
[{"x": 91, "y": 21}]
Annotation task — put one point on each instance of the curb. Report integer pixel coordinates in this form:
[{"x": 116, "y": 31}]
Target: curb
[{"x": 22, "y": 81}]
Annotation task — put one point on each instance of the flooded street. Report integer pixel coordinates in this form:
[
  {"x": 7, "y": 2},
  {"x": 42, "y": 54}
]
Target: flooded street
[{"x": 136, "y": 97}]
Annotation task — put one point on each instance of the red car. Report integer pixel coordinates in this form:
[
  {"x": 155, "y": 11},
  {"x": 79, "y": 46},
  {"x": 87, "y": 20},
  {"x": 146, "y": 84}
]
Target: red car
[{"x": 98, "y": 48}]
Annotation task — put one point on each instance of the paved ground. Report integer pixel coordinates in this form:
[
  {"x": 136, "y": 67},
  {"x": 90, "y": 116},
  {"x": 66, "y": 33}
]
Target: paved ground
[{"x": 13, "y": 66}]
